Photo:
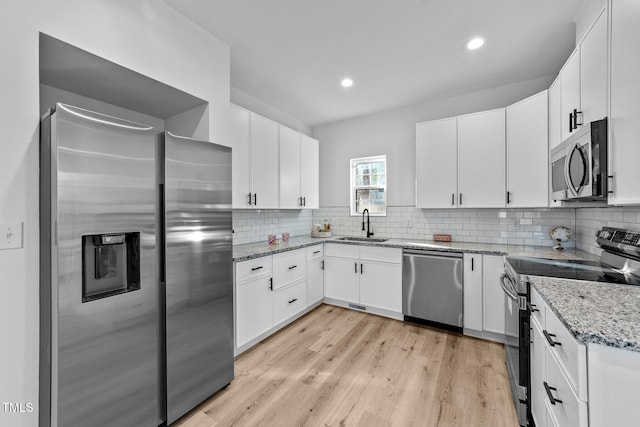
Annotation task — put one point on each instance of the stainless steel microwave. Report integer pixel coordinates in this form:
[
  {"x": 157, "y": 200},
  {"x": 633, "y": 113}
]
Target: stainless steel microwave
[{"x": 579, "y": 165}]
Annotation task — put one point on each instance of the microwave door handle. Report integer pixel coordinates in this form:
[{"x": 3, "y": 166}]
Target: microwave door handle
[
  {"x": 508, "y": 289},
  {"x": 567, "y": 175}
]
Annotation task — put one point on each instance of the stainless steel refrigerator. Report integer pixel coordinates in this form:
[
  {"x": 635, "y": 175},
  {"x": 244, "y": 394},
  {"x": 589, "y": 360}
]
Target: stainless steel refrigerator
[{"x": 136, "y": 310}]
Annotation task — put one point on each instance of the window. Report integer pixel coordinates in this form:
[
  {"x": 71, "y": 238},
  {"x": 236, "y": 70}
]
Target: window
[{"x": 369, "y": 185}]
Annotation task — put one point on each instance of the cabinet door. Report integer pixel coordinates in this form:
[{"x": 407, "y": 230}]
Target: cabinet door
[
  {"x": 315, "y": 281},
  {"x": 240, "y": 159},
  {"x": 624, "y": 149},
  {"x": 593, "y": 71},
  {"x": 481, "y": 160},
  {"x": 472, "y": 292},
  {"x": 527, "y": 153},
  {"x": 555, "y": 115},
  {"x": 381, "y": 285},
  {"x": 492, "y": 294},
  {"x": 538, "y": 375},
  {"x": 310, "y": 172},
  {"x": 264, "y": 162},
  {"x": 570, "y": 91},
  {"x": 436, "y": 164},
  {"x": 253, "y": 309},
  {"x": 289, "y": 169},
  {"x": 341, "y": 279}
]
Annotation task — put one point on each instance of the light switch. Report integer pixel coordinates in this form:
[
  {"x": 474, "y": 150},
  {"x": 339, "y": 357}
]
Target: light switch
[{"x": 11, "y": 236}]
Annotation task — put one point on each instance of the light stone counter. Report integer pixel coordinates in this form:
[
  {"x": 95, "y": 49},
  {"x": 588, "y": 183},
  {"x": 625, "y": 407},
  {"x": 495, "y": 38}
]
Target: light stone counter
[
  {"x": 594, "y": 312},
  {"x": 256, "y": 250}
]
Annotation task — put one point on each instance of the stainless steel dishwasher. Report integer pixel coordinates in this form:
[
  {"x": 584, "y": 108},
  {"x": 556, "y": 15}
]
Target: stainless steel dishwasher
[{"x": 432, "y": 288}]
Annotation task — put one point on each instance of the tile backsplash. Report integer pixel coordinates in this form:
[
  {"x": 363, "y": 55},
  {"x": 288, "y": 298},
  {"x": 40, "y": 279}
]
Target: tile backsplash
[
  {"x": 589, "y": 220},
  {"x": 505, "y": 226},
  {"x": 255, "y": 225}
]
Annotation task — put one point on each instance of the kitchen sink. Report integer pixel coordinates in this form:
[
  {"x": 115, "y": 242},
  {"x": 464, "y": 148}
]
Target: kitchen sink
[{"x": 362, "y": 239}]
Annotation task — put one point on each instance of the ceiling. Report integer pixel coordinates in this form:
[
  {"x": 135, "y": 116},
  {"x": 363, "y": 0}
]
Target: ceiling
[{"x": 293, "y": 54}]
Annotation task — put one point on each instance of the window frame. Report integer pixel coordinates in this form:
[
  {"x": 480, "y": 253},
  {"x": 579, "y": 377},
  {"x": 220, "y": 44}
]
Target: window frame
[{"x": 353, "y": 163}]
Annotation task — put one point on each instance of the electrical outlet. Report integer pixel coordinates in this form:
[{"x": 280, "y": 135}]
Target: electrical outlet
[{"x": 11, "y": 236}]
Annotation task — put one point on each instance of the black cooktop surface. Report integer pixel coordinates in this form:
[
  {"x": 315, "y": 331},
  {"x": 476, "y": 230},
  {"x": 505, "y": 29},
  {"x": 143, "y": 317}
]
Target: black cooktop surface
[{"x": 568, "y": 269}]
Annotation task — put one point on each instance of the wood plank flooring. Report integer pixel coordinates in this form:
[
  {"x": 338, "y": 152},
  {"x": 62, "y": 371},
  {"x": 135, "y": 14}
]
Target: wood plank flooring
[{"x": 338, "y": 367}]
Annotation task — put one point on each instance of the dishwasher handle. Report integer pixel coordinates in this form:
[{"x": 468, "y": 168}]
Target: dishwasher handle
[
  {"x": 508, "y": 288},
  {"x": 440, "y": 254}
]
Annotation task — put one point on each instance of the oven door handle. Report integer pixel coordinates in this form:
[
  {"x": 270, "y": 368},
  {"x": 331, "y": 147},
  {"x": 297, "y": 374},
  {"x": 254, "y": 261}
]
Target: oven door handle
[{"x": 508, "y": 289}]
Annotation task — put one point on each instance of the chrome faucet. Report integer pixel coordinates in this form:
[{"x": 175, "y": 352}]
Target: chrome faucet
[{"x": 369, "y": 233}]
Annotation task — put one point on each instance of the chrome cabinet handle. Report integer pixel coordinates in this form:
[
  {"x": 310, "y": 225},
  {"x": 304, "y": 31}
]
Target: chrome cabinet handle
[
  {"x": 249, "y": 198},
  {"x": 550, "y": 338},
  {"x": 355, "y": 265},
  {"x": 304, "y": 201},
  {"x": 292, "y": 267},
  {"x": 293, "y": 300},
  {"x": 255, "y": 199},
  {"x": 256, "y": 268},
  {"x": 453, "y": 199},
  {"x": 316, "y": 252},
  {"x": 460, "y": 201},
  {"x": 548, "y": 389},
  {"x": 270, "y": 283}
]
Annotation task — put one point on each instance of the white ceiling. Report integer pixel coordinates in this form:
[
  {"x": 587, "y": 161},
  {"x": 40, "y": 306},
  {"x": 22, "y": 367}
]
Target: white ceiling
[{"x": 292, "y": 54}]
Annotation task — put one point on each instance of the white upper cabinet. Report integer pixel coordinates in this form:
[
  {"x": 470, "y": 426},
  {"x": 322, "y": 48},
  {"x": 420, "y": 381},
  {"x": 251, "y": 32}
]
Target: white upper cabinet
[
  {"x": 254, "y": 160},
  {"x": 481, "y": 160},
  {"x": 527, "y": 152},
  {"x": 583, "y": 80},
  {"x": 289, "y": 169},
  {"x": 241, "y": 160},
  {"x": 624, "y": 149},
  {"x": 436, "y": 164},
  {"x": 570, "y": 93},
  {"x": 264, "y": 162},
  {"x": 555, "y": 114},
  {"x": 310, "y": 172},
  {"x": 593, "y": 71},
  {"x": 273, "y": 166},
  {"x": 299, "y": 170}
]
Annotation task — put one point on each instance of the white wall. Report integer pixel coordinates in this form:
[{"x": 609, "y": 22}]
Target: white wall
[
  {"x": 258, "y": 106},
  {"x": 393, "y": 133},
  {"x": 146, "y": 36}
]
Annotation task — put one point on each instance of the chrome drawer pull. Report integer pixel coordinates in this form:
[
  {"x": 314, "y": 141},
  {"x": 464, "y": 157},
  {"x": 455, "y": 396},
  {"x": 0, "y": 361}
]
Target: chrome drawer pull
[
  {"x": 293, "y": 300},
  {"x": 550, "y": 338},
  {"x": 316, "y": 252},
  {"x": 548, "y": 389},
  {"x": 292, "y": 267},
  {"x": 256, "y": 268}
]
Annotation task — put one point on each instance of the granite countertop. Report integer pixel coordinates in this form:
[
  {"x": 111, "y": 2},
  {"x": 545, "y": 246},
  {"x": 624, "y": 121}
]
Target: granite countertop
[
  {"x": 256, "y": 250},
  {"x": 595, "y": 312}
]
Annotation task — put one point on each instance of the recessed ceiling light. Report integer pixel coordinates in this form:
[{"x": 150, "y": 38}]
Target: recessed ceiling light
[
  {"x": 474, "y": 43},
  {"x": 346, "y": 82}
]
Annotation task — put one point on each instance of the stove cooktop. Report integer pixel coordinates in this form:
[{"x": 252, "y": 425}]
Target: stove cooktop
[{"x": 570, "y": 269}]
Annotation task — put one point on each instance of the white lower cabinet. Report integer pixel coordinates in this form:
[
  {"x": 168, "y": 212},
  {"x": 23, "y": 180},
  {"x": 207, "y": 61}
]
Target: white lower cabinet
[
  {"x": 365, "y": 276},
  {"x": 379, "y": 285},
  {"x": 493, "y": 296},
  {"x": 253, "y": 309},
  {"x": 558, "y": 383},
  {"x": 289, "y": 301},
  {"x": 341, "y": 280},
  {"x": 472, "y": 317},
  {"x": 315, "y": 274},
  {"x": 272, "y": 291},
  {"x": 484, "y": 300}
]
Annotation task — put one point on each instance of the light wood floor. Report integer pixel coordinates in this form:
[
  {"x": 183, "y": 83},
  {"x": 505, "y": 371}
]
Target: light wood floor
[{"x": 338, "y": 367}]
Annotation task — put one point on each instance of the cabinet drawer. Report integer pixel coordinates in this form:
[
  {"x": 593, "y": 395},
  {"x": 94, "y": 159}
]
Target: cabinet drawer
[
  {"x": 289, "y": 301},
  {"x": 571, "y": 354},
  {"x": 246, "y": 270},
  {"x": 571, "y": 411},
  {"x": 340, "y": 250},
  {"x": 392, "y": 255},
  {"x": 289, "y": 267},
  {"x": 315, "y": 252},
  {"x": 537, "y": 303}
]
